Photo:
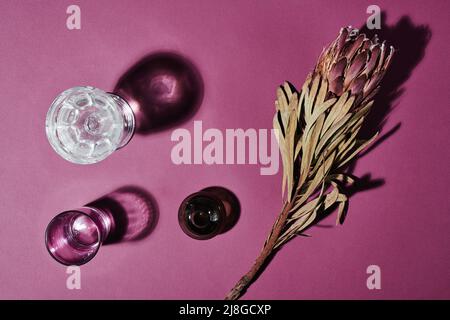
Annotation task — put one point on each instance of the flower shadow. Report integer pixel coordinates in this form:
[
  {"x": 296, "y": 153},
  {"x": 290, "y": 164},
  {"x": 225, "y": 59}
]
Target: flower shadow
[{"x": 410, "y": 42}]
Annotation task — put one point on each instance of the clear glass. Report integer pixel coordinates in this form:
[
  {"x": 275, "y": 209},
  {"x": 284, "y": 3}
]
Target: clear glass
[{"x": 85, "y": 125}]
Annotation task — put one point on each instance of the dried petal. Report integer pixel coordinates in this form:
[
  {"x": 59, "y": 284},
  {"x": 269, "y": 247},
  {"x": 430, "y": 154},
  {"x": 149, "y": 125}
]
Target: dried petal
[
  {"x": 389, "y": 58},
  {"x": 337, "y": 86},
  {"x": 372, "y": 84},
  {"x": 382, "y": 55},
  {"x": 341, "y": 40},
  {"x": 366, "y": 44},
  {"x": 358, "y": 84},
  {"x": 353, "y": 47},
  {"x": 374, "y": 54},
  {"x": 337, "y": 70},
  {"x": 355, "y": 68}
]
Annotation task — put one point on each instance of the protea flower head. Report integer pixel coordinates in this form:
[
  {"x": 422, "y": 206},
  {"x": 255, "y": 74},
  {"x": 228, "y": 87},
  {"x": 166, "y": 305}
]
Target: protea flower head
[{"x": 354, "y": 63}]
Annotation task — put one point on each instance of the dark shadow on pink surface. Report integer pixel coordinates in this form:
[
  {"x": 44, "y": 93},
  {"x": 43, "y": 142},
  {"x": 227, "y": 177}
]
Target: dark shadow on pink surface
[
  {"x": 364, "y": 183},
  {"x": 164, "y": 89},
  {"x": 134, "y": 211},
  {"x": 410, "y": 42}
]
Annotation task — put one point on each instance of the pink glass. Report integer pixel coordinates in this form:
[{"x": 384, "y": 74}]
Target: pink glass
[{"x": 74, "y": 237}]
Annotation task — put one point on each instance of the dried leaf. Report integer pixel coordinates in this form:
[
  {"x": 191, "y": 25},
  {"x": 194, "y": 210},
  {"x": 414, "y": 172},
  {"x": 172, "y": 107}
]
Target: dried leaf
[
  {"x": 334, "y": 111},
  {"x": 358, "y": 150}
]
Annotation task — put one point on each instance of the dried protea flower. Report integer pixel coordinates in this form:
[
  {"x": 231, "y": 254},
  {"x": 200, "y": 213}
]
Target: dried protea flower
[
  {"x": 354, "y": 63},
  {"x": 317, "y": 130}
]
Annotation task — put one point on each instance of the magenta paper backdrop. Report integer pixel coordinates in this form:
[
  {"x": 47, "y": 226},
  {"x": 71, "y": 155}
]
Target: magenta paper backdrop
[{"x": 243, "y": 49}]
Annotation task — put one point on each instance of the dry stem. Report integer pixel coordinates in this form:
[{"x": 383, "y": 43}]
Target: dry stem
[{"x": 267, "y": 250}]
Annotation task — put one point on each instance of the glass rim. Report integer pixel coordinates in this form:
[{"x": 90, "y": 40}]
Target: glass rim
[{"x": 67, "y": 212}]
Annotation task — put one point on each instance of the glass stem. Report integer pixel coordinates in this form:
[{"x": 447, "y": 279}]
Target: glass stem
[{"x": 129, "y": 120}]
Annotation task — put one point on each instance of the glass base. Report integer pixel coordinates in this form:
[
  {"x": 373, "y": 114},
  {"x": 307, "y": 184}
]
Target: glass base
[{"x": 85, "y": 125}]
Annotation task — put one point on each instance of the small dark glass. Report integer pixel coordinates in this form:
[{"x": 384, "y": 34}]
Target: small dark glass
[{"x": 209, "y": 212}]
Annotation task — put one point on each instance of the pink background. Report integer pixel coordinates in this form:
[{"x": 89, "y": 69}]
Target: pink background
[{"x": 243, "y": 50}]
